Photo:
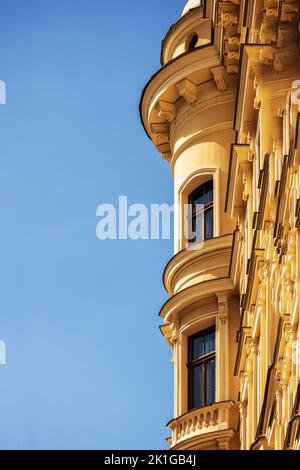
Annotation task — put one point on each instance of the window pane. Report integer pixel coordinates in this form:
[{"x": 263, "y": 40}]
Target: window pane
[
  {"x": 210, "y": 196},
  {"x": 209, "y": 223},
  {"x": 197, "y": 387},
  {"x": 199, "y": 201},
  {"x": 209, "y": 343},
  {"x": 199, "y": 347},
  {"x": 202, "y": 344},
  {"x": 210, "y": 382},
  {"x": 196, "y": 228},
  {"x": 201, "y": 220},
  {"x": 202, "y": 195},
  {"x": 199, "y": 227}
]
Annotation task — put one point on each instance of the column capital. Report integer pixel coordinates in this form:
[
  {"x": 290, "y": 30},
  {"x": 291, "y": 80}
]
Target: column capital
[
  {"x": 291, "y": 333},
  {"x": 174, "y": 324},
  {"x": 243, "y": 407},
  {"x": 263, "y": 271},
  {"x": 223, "y": 306},
  {"x": 252, "y": 346}
]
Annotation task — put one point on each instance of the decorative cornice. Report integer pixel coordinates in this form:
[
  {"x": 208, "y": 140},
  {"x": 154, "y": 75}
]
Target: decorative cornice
[
  {"x": 201, "y": 106},
  {"x": 186, "y": 257},
  {"x": 193, "y": 294}
]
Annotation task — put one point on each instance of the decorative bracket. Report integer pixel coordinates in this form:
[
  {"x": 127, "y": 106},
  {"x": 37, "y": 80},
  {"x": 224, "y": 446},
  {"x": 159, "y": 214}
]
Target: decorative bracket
[
  {"x": 165, "y": 151},
  {"x": 160, "y": 130},
  {"x": 166, "y": 111},
  {"x": 188, "y": 90},
  {"x": 218, "y": 74}
]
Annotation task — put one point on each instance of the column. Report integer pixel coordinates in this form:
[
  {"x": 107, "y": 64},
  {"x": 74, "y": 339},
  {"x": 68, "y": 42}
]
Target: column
[
  {"x": 222, "y": 352},
  {"x": 243, "y": 425}
]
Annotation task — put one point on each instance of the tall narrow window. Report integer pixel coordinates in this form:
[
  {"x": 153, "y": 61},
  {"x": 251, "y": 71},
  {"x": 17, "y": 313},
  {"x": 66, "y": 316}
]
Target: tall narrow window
[
  {"x": 201, "y": 223},
  {"x": 201, "y": 365}
]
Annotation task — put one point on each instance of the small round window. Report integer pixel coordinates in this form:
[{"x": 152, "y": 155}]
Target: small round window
[{"x": 193, "y": 42}]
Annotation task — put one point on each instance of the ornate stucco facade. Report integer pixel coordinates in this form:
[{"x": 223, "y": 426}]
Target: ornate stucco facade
[{"x": 224, "y": 111}]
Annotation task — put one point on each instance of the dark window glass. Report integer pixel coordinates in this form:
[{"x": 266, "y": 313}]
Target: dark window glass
[
  {"x": 210, "y": 382},
  {"x": 197, "y": 379},
  {"x": 209, "y": 224},
  {"x": 210, "y": 342},
  {"x": 193, "y": 42},
  {"x": 201, "y": 365},
  {"x": 201, "y": 224},
  {"x": 198, "y": 347}
]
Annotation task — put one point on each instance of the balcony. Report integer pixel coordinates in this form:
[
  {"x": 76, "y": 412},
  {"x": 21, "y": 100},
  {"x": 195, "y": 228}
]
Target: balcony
[
  {"x": 209, "y": 427},
  {"x": 189, "y": 267}
]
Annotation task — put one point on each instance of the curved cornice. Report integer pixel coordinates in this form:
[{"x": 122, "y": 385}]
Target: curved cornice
[
  {"x": 198, "y": 136},
  {"x": 221, "y": 98},
  {"x": 179, "y": 68},
  {"x": 193, "y": 294},
  {"x": 180, "y": 25},
  {"x": 187, "y": 257}
]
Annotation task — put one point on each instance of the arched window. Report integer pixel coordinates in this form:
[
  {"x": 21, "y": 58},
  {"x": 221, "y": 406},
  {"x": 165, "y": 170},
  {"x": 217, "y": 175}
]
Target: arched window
[
  {"x": 193, "y": 42},
  {"x": 201, "y": 213}
]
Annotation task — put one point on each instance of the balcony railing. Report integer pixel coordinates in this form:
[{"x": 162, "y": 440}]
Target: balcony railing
[{"x": 210, "y": 419}]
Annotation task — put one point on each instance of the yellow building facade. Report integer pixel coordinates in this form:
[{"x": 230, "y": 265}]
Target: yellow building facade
[{"x": 224, "y": 111}]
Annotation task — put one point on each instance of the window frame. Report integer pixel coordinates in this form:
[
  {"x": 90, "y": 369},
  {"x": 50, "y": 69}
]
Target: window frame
[
  {"x": 203, "y": 361},
  {"x": 189, "y": 183}
]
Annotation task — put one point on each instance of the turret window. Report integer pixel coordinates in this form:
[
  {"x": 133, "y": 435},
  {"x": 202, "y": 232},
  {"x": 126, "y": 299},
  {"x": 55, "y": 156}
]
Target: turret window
[
  {"x": 201, "y": 213},
  {"x": 193, "y": 42},
  {"x": 201, "y": 369}
]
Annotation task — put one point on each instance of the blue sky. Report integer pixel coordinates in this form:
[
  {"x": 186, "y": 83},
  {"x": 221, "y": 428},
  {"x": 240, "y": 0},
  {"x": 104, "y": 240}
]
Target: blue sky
[{"x": 87, "y": 367}]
